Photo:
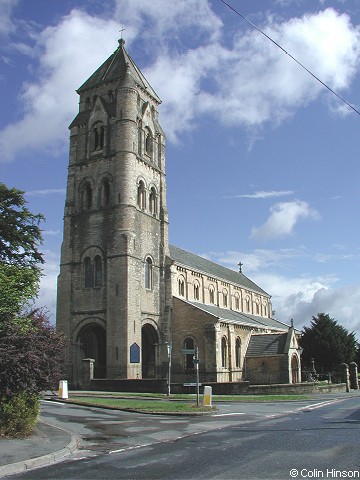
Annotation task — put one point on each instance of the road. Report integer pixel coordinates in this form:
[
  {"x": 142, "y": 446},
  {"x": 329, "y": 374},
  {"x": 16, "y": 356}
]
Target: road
[{"x": 320, "y": 439}]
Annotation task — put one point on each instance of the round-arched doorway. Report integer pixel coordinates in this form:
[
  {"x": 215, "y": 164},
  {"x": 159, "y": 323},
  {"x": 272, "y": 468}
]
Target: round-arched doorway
[
  {"x": 92, "y": 342},
  {"x": 149, "y": 342}
]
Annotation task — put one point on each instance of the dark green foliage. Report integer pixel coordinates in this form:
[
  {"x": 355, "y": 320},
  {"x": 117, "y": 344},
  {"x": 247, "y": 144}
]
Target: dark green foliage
[
  {"x": 20, "y": 234},
  {"x": 328, "y": 343},
  {"x": 18, "y": 415}
]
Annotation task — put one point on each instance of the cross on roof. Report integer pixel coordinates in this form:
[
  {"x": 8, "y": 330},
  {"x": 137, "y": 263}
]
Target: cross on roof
[
  {"x": 122, "y": 30},
  {"x": 240, "y": 267}
]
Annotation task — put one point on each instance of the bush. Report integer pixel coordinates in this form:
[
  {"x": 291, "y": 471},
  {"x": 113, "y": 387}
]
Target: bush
[{"x": 18, "y": 415}]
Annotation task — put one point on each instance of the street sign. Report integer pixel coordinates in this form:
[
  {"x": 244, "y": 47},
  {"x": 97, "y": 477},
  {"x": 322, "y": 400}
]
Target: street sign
[{"x": 187, "y": 351}]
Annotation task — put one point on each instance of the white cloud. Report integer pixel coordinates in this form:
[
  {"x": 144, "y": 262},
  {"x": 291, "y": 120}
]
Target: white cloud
[
  {"x": 283, "y": 218},
  {"x": 248, "y": 83},
  {"x": 46, "y": 192},
  {"x": 264, "y": 194},
  {"x": 7, "y": 25}
]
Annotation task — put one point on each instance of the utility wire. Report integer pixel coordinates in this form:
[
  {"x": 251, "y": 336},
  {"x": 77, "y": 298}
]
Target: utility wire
[{"x": 293, "y": 58}]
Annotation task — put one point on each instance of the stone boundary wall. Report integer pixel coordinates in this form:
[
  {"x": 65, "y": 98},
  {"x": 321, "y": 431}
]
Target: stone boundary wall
[{"x": 229, "y": 388}]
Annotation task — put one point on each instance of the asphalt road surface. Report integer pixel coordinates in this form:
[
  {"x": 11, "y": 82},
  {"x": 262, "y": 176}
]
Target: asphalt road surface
[{"x": 318, "y": 440}]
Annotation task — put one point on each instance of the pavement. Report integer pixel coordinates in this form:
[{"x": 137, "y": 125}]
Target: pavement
[
  {"x": 50, "y": 443},
  {"x": 47, "y": 444}
]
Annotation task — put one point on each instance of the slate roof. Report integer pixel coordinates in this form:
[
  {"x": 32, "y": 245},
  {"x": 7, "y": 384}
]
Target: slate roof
[
  {"x": 200, "y": 264},
  {"x": 115, "y": 68},
  {"x": 238, "y": 318},
  {"x": 267, "y": 345}
]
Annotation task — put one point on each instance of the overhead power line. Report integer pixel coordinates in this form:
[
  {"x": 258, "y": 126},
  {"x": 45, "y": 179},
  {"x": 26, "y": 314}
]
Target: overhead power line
[{"x": 291, "y": 56}]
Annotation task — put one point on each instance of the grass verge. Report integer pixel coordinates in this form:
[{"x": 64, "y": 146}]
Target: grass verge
[{"x": 144, "y": 406}]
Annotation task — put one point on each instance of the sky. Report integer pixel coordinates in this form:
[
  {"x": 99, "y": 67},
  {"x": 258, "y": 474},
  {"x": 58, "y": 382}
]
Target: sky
[{"x": 262, "y": 159}]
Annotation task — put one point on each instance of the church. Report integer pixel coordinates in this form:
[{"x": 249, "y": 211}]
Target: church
[{"x": 127, "y": 299}]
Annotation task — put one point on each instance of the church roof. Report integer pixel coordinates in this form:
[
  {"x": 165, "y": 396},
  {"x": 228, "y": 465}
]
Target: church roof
[
  {"x": 267, "y": 345},
  {"x": 213, "y": 269},
  {"x": 115, "y": 68},
  {"x": 238, "y": 318}
]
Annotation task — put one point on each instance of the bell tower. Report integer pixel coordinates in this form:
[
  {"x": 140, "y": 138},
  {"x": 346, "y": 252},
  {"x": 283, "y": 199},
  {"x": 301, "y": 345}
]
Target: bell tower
[{"x": 111, "y": 288}]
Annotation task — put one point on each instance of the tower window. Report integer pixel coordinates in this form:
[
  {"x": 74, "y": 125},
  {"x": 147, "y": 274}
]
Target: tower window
[
  {"x": 148, "y": 143},
  {"x": 88, "y": 271},
  {"x": 87, "y": 196},
  {"x": 153, "y": 201},
  {"x": 106, "y": 193},
  {"x": 141, "y": 197},
  {"x": 98, "y": 271},
  {"x": 149, "y": 274}
]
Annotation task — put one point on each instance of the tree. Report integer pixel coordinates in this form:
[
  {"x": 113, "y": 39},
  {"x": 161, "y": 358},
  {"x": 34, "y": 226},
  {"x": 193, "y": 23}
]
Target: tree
[
  {"x": 31, "y": 351},
  {"x": 31, "y": 361},
  {"x": 328, "y": 343},
  {"x": 20, "y": 237},
  {"x": 20, "y": 234}
]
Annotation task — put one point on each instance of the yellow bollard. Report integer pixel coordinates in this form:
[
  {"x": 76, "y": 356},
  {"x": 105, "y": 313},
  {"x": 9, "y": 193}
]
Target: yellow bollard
[
  {"x": 207, "y": 396},
  {"x": 63, "y": 389}
]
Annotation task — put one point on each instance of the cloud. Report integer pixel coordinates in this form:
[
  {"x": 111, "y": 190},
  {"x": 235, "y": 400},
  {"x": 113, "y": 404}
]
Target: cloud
[
  {"x": 248, "y": 83},
  {"x": 46, "y": 192},
  {"x": 282, "y": 220},
  {"x": 7, "y": 25},
  {"x": 263, "y": 194}
]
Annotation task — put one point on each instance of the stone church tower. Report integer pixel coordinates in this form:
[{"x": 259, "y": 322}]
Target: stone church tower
[{"x": 111, "y": 287}]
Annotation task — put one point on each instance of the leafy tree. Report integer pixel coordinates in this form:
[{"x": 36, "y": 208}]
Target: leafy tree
[
  {"x": 31, "y": 361},
  {"x": 20, "y": 237},
  {"x": 20, "y": 234},
  {"x": 31, "y": 351},
  {"x": 328, "y": 343}
]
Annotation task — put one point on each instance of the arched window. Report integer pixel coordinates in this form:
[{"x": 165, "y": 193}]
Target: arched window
[
  {"x": 237, "y": 301},
  {"x": 102, "y": 137},
  {"x": 247, "y": 304},
  {"x": 98, "y": 271},
  {"x": 105, "y": 193},
  {"x": 257, "y": 307},
  {"x": 96, "y": 138},
  {"x": 149, "y": 274},
  {"x": 141, "y": 196},
  {"x": 88, "y": 272},
  {"x": 189, "y": 344},
  {"x": 87, "y": 196},
  {"x": 224, "y": 352},
  {"x": 238, "y": 352},
  {"x": 181, "y": 285},
  {"x": 153, "y": 201},
  {"x": 211, "y": 294},
  {"x": 148, "y": 142},
  {"x": 225, "y": 298},
  {"x": 196, "y": 291}
]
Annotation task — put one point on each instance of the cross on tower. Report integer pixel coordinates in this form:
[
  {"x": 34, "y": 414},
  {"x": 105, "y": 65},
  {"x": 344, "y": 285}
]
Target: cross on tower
[
  {"x": 240, "y": 267},
  {"x": 121, "y": 31}
]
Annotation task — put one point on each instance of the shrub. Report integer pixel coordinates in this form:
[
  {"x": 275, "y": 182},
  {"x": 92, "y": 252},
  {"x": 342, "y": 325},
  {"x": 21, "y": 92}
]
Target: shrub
[{"x": 18, "y": 415}]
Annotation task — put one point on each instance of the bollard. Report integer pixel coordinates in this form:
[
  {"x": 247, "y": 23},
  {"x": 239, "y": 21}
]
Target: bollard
[
  {"x": 63, "y": 389},
  {"x": 207, "y": 396}
]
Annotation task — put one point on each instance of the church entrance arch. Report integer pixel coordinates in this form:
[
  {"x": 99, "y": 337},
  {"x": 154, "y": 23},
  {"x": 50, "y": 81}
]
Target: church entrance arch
[
  {"x": 294, "y": 369},
  {"x": 149, "y": 342},
  {"x": 92, "y": 341}
]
